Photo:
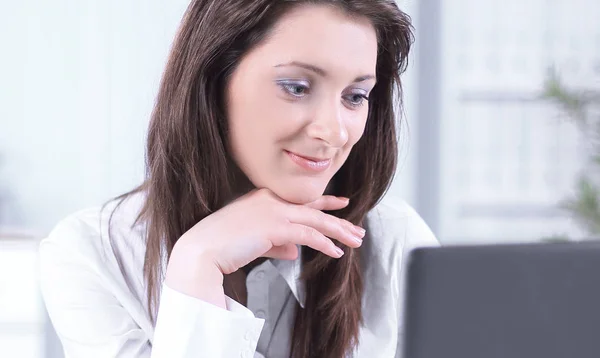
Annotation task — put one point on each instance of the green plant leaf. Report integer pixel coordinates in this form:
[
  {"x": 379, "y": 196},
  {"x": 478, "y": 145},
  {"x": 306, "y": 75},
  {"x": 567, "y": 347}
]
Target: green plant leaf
[{"x": 585, "y": 206}]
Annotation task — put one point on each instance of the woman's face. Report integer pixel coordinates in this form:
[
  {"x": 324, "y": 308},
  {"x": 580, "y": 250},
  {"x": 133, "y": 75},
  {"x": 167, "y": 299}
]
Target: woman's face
[{"x": 296, "y": 103}]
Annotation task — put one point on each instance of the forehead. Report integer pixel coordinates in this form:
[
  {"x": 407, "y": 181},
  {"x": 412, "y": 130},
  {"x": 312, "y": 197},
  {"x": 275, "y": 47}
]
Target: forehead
[{"x": 324, "y": 36}]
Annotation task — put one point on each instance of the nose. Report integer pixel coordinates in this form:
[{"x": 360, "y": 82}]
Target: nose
[{"x": 328, "y": 125}]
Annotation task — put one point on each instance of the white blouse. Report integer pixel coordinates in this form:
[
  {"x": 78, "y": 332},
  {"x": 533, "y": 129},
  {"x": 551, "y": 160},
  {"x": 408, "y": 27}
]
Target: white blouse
[{"x": 95, "y": 293}]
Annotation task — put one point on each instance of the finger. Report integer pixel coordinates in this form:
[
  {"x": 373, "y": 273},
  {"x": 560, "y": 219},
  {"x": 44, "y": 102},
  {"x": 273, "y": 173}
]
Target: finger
[
  {"x": 355, "y": 229},
  {"x": 326, "y": 224},
  {"x": 329, "y": 202},
  {"x": 308, "y": 236},
  {"x": 288, "y": 251}
]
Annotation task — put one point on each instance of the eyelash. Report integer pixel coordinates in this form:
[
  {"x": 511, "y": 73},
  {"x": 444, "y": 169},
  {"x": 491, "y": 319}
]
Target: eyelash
[
  {"x": 288, "y": 88},
  {"x": 362, "y": 102}
]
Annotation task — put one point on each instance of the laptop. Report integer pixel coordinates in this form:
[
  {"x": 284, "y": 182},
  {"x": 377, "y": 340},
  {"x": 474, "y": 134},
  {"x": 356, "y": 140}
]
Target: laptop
[{"x": 504, "y": 301}]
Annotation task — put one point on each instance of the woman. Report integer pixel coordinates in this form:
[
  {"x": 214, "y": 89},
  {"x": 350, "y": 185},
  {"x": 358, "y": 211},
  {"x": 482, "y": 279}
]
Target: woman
[{"x": 271, "y": 144}]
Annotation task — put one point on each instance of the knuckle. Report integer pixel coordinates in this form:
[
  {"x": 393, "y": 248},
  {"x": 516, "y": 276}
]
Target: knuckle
[
  {"x": 345, "y": 225},
  {"x": 263, "y": 193},
  {"x": 306, "y": 232},
  {"x": 335, "y": 223},
  {"x": 309, "y": 234},
  {"x": 322, "y": 201},
  {"x": 317, "y": 216}
]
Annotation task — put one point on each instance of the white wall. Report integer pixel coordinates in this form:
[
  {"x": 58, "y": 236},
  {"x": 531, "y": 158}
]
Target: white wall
[{"x": 78, "y": 83}]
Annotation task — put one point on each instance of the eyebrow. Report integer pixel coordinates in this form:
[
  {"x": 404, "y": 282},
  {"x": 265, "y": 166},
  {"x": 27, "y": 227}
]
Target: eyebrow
[{"x": 320, "y": 71}]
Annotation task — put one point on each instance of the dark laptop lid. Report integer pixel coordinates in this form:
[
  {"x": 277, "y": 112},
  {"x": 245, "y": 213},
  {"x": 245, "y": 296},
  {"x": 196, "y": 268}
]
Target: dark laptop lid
[{"x": 506, "y": 301}]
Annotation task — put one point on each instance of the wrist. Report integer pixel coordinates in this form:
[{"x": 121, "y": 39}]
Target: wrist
[{"x": 195, "y": 274}]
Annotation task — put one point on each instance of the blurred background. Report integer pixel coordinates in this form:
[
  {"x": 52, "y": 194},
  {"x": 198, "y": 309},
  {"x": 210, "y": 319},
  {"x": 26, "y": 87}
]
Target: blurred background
[{"x": 499, "y": 145}]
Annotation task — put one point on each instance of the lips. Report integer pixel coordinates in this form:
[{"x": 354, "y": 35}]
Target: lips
[
  {"x": 312, "y": 159},
  {"x": 309, "y": 163}
]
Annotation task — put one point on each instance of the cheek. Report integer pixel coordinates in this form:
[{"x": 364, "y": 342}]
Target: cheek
[
  {"x": 250, "y": 119},
  {"x": 259, "y": 129},
  {"x": 356, "y": 127}
]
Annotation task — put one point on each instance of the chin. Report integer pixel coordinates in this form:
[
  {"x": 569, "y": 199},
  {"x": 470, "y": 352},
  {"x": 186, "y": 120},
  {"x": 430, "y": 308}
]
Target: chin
[{"x": 300, "y": 192}]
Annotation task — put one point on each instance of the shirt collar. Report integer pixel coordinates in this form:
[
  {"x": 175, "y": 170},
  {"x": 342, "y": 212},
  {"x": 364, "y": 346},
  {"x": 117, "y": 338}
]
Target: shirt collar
[{"x": 290, "y": 271}]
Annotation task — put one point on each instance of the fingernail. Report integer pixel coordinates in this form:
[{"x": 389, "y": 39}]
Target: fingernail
[
  {"x": 358, "y": 240},
  {"x": 339, "y": 252},
  {"x": 359, "y": 230}
]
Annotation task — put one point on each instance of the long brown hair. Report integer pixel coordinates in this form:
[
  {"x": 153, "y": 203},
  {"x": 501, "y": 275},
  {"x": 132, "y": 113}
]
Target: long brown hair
[{"x": 189, "y": 173}]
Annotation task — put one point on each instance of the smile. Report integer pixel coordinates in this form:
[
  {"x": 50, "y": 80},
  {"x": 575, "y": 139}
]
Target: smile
[{"x": 309, "y": 163}]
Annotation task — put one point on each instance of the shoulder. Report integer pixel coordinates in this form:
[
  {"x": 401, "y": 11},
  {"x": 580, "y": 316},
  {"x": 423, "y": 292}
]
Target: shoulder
[
  {"x": 91, "y": 284},
  {"x": 395, "y": 218},
  {"x": 395, "y": 227},
  {"x": 83, "y": 235}
]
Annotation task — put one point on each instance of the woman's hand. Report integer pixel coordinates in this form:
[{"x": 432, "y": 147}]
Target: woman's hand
[{"x": 258, "y": 224}]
